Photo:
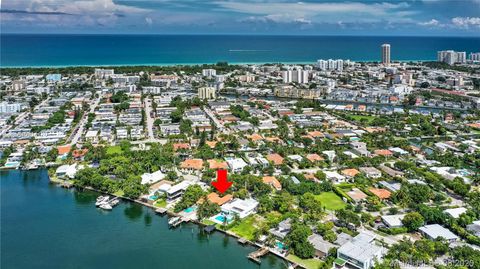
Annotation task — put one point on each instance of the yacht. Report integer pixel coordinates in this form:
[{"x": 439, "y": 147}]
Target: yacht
[
  {"x": 106, "y": 206},
  {"x": 102, "y": 200}
]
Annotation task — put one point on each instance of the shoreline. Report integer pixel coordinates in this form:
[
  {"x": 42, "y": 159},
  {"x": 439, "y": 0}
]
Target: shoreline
[
  {"x": 59, "y": 182},
  {"x": 192, "y": 64}
]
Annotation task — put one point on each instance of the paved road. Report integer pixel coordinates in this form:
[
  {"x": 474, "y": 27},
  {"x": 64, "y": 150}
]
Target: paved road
[
  {"x": 148, "y": 110},
  {"x": 217, "y": 123},
  {"x": 77, "y": 133}
]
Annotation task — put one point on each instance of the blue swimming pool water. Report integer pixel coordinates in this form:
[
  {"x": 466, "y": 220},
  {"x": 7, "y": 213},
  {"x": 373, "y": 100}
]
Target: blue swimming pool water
[
  {"x": 188, "y": 210},
  {"x": 280, "y": 245}
]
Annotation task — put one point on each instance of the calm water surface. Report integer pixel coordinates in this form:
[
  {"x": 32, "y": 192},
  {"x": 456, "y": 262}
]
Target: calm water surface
[
  {"x": 44, "y": 226},
  {"x": 68, "y": 50}
]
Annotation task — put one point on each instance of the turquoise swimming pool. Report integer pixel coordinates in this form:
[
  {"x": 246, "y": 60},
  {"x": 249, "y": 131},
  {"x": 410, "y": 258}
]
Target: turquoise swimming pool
[
  {"x": 221, "y": 218},
  {"x": 190, "y": 209}
]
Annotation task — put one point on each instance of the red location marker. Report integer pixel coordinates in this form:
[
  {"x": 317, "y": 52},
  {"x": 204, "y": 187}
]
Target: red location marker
[{"x": 222, "y": 184}]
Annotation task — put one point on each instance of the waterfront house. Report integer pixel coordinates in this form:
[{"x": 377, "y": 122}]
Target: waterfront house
[
  {"x": 242, "y": 208},
  {"x": 177, "y": 190},
  {"x": 361, "y": 252},
  {"x": 321, "y": 246},
  {"x": 282, "y": 229}
]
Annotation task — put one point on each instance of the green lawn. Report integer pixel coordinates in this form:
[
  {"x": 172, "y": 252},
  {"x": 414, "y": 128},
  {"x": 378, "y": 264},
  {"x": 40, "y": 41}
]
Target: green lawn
[
  {"x": 114, "y": 150},
  {"x": 330, "y": 200},
  {"x": 369, "y": 119},
  {"x": 245, "y": 228},
  {"x": 308, "y": 263},
  {"x": 119, "y": 193},
  {"x": 161, "y": 203}
]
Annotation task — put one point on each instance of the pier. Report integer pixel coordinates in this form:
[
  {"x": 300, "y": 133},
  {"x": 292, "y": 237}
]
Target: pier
[{"x": 257, "y": 254}]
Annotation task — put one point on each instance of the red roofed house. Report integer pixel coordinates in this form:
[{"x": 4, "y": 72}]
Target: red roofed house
[
  {"x": 380, "y": 193},
  {"x": 192, "y": 164},
  {"x": 64, "y": 149},
  {"x": 383, "y": 152},
  {"x": 214, "y": 164},
  {"x": 314, "y": 157},
  {"x": 275, "y": 158},
  {"x": 272, "y": 181}
]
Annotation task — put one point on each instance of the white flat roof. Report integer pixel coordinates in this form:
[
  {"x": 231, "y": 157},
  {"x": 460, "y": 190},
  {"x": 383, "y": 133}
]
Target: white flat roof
[
  {"x": 455, "y": 212},
  {"x": 435, "y": 230}
]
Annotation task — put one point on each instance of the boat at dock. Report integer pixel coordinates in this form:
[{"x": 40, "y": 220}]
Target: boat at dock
[
  {"x": 257, "y": 254},
  {"x": 175, "y": 221},
  {"x": 106, "y": 206},
  {"x": 101, "y": 200},
  {"x": 114, "y": 202}
]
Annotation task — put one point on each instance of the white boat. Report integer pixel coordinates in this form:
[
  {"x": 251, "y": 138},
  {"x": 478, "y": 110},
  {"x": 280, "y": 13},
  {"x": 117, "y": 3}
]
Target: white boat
[
  {"x": 106, "y": 206},
  {"x": 102, "y": 200},
  {"x": 173, "y": 221},
  {"x": 115, "y": 201}
]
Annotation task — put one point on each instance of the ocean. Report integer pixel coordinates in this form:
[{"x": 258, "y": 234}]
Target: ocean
[
  {"x": 29, "y": 50},
  {"x": 45, "y": 226}
]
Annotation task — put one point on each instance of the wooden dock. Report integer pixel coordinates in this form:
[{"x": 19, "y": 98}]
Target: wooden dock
[
  {"x": 242, "y": 241},
  {"x": 257, "y": 254},
  {"x": 161, "y": 211},
  {"x": 66, "y": 185}
]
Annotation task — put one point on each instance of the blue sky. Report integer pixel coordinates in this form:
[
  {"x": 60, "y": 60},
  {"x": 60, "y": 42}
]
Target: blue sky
[{"x": 321, "y": 17}]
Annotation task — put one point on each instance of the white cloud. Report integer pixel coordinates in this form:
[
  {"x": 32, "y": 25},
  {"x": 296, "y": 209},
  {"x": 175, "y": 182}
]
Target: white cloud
[
  {"x": 466, "y": 22},
  {"x": 69, "y": 13},
  {"x": 325, "y": 12},
  {"x": 432, "y": 22}
]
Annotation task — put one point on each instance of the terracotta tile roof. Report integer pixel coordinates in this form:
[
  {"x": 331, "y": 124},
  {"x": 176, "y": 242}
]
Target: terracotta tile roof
[
  {"x": 375, "y": 129},
  {"x": 214, "y": 164},
  {"x": 64, "y": 149},
  {"x": 316, "y": 134},
  {"x": 314, "y": 157},
  {"x": 357, "y": 194},
  {"x": 178, "y": 146},
  {"x": 381, "y": 193},
  {"x": 474, "y": 125},
  {"x": 272, "y": 139},
  {"x": 383, "y": 152},
  {"x": 196, "y": 164},
  {"x": 310, "y": 176},
  {"x": 350, "y": 172},
  {"x": 275, "y": 158},
  {"x": 215, "y": 198},
  {"x": 272, "y": 181},
  {"x": 211, "y": 144},
  {"x": 255, "y": 137},
  {"x": 79, "y": 153}
]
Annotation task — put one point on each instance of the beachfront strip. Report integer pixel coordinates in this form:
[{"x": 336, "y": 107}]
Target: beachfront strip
[{"x": 339, "y": 164}]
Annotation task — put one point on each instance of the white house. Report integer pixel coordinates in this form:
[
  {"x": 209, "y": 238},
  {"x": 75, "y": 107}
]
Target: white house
[
  {"x": 148, "y": 178},
  {"x": 360, "y": 252},
  {"x": 242, "y": 208},
  {"x": 434, "y": 231},
  {"x": 236, "y": 165}
]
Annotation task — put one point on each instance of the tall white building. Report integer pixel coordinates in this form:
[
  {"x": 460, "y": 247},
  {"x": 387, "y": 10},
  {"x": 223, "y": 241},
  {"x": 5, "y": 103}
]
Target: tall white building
[
  {"x": 474, "y": 57},
  {"x": 103, "y": 73},
  {"x": 386, "y": 54},
  {"x": 209, "y": 73},
  {"x": 330, "y": 64},
  {"x": 10, "y": 107},
  {"x": 207, "y": 93},
  {"x": 297, "y": 75},
  {"x": 451, "y": 57}
]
